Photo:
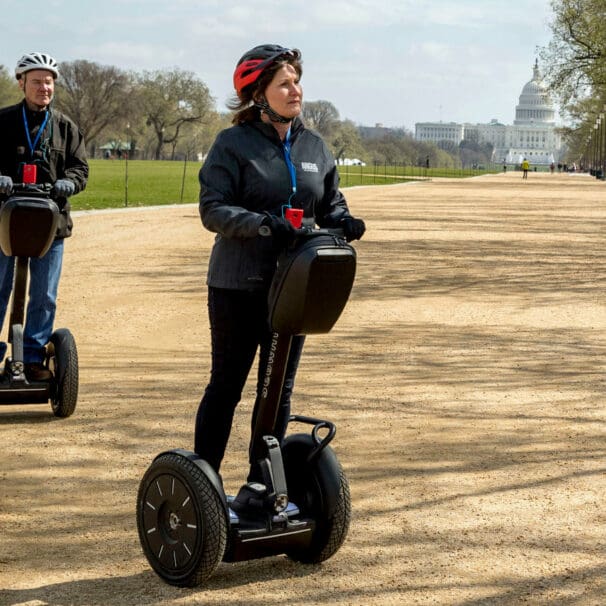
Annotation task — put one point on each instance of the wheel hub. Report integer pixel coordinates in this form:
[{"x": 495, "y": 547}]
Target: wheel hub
[{"x": 174, "y": 521}]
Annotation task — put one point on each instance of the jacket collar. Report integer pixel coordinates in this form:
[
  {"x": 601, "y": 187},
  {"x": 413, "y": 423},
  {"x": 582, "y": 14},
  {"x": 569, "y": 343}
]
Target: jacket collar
[{"x": 270, "y": 132}]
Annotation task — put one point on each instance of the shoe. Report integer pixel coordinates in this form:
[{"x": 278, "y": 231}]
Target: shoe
[{"x": 36, "y": 371}]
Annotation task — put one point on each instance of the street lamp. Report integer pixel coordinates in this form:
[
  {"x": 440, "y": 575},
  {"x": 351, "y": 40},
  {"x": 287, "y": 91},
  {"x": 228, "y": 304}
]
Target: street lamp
[
  {"x": 594, "y": 162},
  {"x": 126, "y": 164},
  {"x": 601, "y": 146}
]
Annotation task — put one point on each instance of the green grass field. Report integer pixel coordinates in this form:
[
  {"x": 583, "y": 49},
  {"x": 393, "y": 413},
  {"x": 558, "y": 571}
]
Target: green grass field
[
  {"x": 149, "y": 183},
  {"x": 384, "y": 174},
  {"x": 118, "y": 183}
]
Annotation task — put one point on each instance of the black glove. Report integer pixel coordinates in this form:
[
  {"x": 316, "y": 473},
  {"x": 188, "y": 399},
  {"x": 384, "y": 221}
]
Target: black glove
[
  {"x": 353, "y": 228},
  {"x": 6, "y": 185},
  {"x": 64, "y": 188},
  {"x": 281, "y": 229}
]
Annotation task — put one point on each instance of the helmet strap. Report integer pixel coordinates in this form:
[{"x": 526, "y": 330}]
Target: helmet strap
[{"x": 263, "y": 105}]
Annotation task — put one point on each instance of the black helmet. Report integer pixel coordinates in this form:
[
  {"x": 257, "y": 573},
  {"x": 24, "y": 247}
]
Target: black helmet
[{"x": 255, "y": 61}]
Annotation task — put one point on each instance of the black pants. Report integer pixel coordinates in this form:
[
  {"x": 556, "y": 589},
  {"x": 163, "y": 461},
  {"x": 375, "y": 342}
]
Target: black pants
[{"x": 239, "y": 326}]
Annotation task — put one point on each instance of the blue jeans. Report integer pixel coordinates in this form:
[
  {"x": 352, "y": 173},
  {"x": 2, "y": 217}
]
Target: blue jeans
[
  {"x": 239, "y": 327},
  {"x": 44, "y": 274}
]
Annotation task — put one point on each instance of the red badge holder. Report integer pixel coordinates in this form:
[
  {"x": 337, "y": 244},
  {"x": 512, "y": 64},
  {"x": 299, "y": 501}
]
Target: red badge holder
[{"x": 29, "y": 173}]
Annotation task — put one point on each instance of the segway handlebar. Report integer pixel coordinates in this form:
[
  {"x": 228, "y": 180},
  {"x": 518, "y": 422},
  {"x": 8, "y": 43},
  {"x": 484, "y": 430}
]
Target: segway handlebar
[
  {"x": 307, "y": 232},
  {"x": 319, "y": 231},
  {"x": 35, "y": 189}
]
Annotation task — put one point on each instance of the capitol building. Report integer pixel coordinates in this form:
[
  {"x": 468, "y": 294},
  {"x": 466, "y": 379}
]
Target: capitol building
[{"x": 533, "y": 133}]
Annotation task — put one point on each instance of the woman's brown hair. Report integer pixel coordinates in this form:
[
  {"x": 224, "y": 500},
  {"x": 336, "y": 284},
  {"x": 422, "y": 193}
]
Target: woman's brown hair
[{"x": 243, "y": 105}]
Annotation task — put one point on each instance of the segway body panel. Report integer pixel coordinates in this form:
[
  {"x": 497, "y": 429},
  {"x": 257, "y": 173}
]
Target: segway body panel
[
  {"x": 311, "y": 285},
  {"x": 28, "y": 226}
]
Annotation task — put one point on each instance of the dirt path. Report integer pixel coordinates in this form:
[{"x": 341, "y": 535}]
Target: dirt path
[{"x": 466, "y": 378}]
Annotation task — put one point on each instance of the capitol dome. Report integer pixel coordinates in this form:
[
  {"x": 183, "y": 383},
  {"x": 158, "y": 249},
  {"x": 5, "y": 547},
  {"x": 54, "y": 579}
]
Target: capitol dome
[
  {"x": 535, "y": 106},
  {"x": 533, "y": 88},
  {"x": 533, "y": 135}
]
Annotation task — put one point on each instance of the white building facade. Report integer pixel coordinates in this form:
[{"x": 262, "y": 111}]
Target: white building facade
[{"x": 533, "y": 133}]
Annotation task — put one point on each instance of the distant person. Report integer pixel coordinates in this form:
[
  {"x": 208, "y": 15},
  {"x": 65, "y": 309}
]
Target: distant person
[
  {"x": 525, "y": 168},
  {"x": 552, "y": 168},
  {"x": 35, "y": 133}
]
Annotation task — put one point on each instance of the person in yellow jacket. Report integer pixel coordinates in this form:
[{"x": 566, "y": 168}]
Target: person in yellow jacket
[{"x": 525, "y": 168}]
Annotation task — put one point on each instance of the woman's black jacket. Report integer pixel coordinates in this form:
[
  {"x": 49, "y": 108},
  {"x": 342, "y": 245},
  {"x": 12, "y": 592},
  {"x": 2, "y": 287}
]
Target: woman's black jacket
[{"x": 245, "y": 176}]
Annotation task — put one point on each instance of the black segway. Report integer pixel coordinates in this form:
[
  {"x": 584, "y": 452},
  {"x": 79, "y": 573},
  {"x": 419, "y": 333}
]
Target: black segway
[
  {"x": 28, "y": 224},
  {"x": 187, "y": 524}
]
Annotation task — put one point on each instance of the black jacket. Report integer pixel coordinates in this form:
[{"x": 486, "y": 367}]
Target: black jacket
[
  {"x": 244, "y": 176},
  {"x": 60, "y": 154}
]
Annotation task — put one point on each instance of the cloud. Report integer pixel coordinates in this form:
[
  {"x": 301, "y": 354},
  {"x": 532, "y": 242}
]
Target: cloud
[{"x": 375, "y": 61}]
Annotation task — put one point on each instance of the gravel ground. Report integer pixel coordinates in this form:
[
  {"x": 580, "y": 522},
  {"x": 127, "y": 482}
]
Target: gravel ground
[{"x": 466, "y": 378}]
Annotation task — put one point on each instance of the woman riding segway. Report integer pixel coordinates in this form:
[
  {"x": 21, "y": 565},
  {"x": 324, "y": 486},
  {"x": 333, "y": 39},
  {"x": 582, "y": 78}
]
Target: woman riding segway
[
  {"x": 258, "y": 173},
  {"x": 267, "y": 162}
]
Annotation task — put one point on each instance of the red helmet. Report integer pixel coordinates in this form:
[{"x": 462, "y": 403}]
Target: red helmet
[{"x": 254, "y": 62}]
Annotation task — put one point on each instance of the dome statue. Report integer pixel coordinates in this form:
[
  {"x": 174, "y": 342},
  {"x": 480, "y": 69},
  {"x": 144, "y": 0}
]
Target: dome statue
[
  {"x": 535, "y": 105},
  {"x": 533, "y": 135}
]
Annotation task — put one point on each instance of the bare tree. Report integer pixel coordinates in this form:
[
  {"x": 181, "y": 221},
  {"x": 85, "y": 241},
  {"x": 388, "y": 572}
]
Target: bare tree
[
  {"x": 321, "y": 116},
  {"x": 346, "y": 140},
  {"x": 9, "y": 90},
  {"x": 96, "y": 97},
  {"x": 172, "y": 101},
  {"x": 196, "y": 141}
]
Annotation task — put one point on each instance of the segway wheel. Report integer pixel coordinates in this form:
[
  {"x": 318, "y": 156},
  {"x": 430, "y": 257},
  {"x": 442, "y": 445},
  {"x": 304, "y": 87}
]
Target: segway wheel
[
  {"x": 181, "y": 521},
  {"x": 321, "y": 491},
  {"x": 62, "y": 361}
]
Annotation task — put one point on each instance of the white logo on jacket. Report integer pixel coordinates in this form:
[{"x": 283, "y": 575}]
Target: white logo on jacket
[{"x": 309, "y": 167}]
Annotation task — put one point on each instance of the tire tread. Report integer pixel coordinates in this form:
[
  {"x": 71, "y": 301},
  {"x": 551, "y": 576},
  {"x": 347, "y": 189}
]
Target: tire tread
[{"x": 214, "y": 523}]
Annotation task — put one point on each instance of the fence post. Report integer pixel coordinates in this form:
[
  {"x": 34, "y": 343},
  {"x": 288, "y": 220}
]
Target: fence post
[{"x": 183, "y": 179}]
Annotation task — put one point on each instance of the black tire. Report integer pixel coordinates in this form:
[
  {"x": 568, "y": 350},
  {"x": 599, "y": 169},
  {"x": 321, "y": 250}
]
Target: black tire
[
  {"x": 181, "y": 521},
  {"x": 62, "y": 361},
  {"x": 321, "y": 491}
]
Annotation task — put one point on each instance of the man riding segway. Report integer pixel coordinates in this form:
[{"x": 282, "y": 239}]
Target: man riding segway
[{"x": 39, "y": 145}]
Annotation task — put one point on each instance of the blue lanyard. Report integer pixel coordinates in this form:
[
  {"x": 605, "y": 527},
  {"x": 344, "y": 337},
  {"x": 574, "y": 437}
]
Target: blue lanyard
[
  {"x": 32, "y": 146},
  {"x": 290, "y": 166}
]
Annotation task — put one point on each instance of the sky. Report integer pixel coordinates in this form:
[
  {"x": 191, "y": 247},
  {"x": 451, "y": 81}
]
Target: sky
[{"x": 394, "y": 62}]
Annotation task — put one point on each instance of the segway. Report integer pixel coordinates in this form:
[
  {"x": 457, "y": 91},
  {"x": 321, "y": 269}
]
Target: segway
[
  {"x": 187, "y": 524},
  {"x": 28, "y": 224}
]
